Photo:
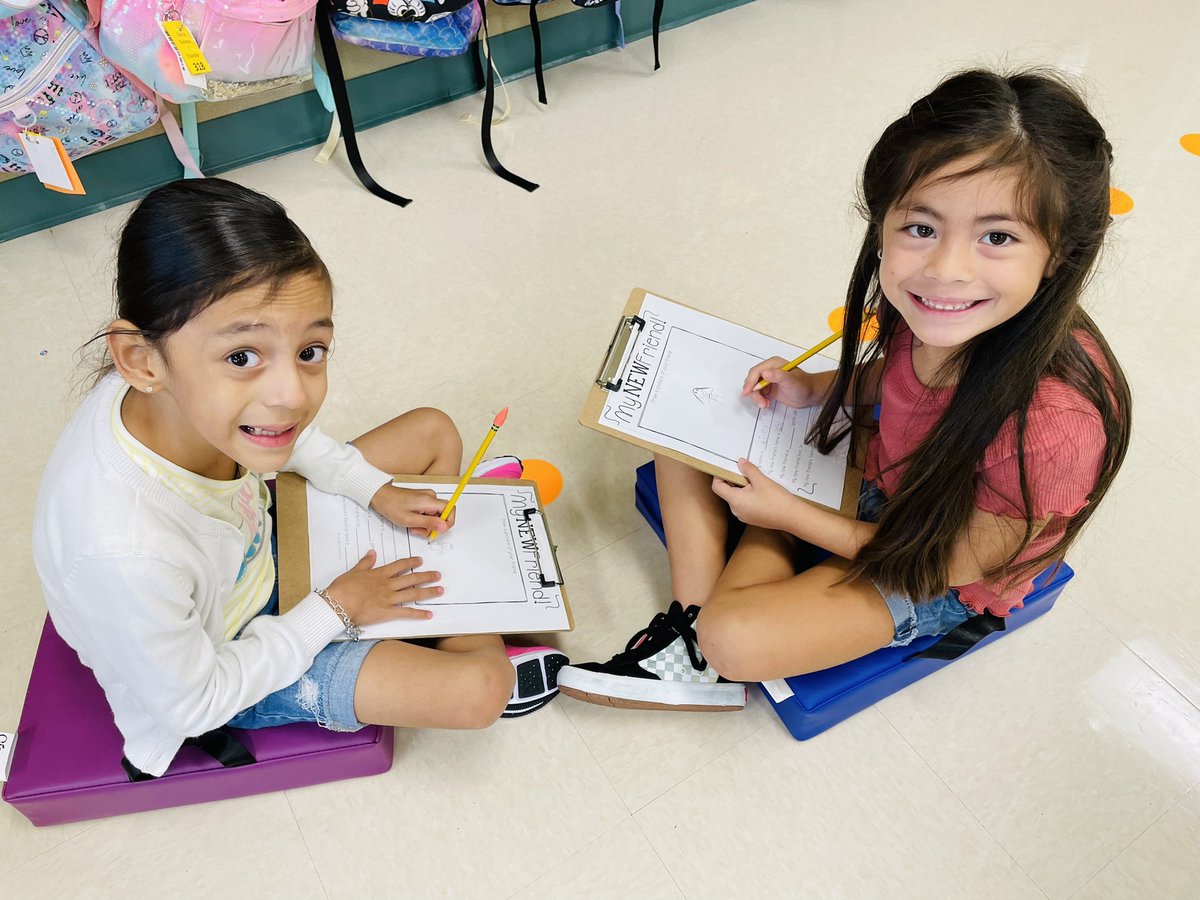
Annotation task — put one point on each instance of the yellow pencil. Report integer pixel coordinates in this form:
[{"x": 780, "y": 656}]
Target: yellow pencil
[
  {"x": 487, "y": 440},
  {"x": 803, "y": 356}
]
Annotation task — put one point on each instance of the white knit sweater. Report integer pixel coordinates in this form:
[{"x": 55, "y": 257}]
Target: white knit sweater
[{"x": 135, "y": 581}]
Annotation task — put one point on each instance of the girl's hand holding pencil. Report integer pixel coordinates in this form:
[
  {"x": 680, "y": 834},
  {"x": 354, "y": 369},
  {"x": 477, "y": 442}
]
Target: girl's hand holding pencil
[
  {"x": 771, "y": 380},
  {"x": 418, "y": 511},
  {"x": 795, "y": 388}
]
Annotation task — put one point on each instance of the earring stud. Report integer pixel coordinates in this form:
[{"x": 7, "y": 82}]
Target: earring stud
[{"x": 149, "y": 389}]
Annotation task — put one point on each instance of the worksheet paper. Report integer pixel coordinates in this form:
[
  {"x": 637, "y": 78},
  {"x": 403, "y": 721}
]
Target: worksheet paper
[
  {"x": 682, "y": 389},
  {"x": 492, "y": 561}
]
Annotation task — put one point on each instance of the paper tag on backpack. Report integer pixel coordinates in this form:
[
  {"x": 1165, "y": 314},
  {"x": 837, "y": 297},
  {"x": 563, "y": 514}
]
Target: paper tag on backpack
[
  {"x": 192, "y": 63},
  {"x": 50, "y": 162},
  {"x": 8, "y": 740}
]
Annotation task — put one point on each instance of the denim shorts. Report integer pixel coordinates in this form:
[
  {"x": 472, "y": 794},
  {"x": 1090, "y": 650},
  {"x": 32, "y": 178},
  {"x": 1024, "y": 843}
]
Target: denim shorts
[
  {"x": 324, "y": 694},
  {"x": 913, "y": 620}
]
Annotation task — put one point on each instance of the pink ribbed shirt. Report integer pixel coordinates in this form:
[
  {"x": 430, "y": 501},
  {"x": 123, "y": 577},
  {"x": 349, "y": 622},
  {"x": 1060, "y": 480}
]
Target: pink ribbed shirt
[{"x": 1064, "y": 445}]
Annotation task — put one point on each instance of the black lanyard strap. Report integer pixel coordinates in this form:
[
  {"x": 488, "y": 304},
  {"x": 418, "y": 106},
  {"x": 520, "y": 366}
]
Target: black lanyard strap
[
  {"x": 341, "y": 102},
  {"x": 220, "y": 744},
  {"x": 959, "y": 640}
]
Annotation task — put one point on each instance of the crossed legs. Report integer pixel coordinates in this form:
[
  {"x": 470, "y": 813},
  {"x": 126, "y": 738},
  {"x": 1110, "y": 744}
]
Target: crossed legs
[
  {"x": 761, "y": 619},
  {"x": 461, "y": 682}
]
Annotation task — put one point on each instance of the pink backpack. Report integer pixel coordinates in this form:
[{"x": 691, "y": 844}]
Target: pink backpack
[{"x": 252, "y": 45}]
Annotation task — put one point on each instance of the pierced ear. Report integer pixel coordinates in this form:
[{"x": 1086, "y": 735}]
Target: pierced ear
[{"x": 134, "y": 356}]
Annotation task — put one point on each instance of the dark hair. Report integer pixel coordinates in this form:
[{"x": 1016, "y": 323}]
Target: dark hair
[
  {"x": 191, "y": 242},
  {"x": 1034, "y": 124}
]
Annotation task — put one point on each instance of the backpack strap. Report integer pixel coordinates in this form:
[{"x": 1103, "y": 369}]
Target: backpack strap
[
  {"x": 220, "y": 744},
  {"x": 960, "y": 639},
  {"x": 620, "y": 24},
  {"x": 176, "y": 138},
  {"x": 538, "y": 71},
  {"x": 341, "y": 102},
  {"x": 489, "y": 105},
  {"x": 658, "y": 11}
]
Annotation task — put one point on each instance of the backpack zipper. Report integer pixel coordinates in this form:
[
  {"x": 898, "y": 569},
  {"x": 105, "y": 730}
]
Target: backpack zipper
[{"x": 42, "y": 74}]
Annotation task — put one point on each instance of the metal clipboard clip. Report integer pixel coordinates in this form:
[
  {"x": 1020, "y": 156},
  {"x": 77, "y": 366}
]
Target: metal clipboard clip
[
  {"x": 610, "y": 377},
  {"x": 542, "y": 539}
]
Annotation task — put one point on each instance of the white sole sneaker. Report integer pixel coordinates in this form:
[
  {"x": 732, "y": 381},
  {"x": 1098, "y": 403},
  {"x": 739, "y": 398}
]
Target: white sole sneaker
[{"x": 649, "y": 693}]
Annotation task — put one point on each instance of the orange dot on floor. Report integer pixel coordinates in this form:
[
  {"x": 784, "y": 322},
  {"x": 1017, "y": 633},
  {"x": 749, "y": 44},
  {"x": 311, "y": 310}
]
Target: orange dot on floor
[
  {"x": 547, "y": 477},
  {"x": 1190, "y": 143},
  {"x": 837, "y": 319},
  {"x": 1119, "y": 202}
]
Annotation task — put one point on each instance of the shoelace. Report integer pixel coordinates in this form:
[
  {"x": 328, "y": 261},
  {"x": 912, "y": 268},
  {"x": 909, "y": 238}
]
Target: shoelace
[{"x": 675, "y": 621}]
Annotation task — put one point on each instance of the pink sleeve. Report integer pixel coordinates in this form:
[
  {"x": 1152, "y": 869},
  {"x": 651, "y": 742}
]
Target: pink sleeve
[{"x": 1063, "y": 451}]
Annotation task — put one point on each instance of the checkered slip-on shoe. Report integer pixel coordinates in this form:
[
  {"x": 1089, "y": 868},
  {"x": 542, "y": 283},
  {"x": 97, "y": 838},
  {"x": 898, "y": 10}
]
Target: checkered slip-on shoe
[
  {"x": 537, "y": 679},
  {"x": 661, "y": 668}
]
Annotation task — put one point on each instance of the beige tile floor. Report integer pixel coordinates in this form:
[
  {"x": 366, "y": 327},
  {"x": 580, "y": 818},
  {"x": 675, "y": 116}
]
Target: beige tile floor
[{"x": 1063, "y": 762}]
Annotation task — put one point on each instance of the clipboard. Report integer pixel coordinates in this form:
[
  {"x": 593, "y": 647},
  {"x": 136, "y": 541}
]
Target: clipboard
[
  {"x": 611, "y": 376},
  {"x": 292, "y": 530}
]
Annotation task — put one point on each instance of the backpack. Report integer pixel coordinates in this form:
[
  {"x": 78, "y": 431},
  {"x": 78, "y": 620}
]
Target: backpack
[
  {"x": 55, "y": 83},
  {"x": 412, "y": 27},
  {"x": 443, "y": 34},
  {"x": 252, "y": 45},
  {"x": 406, "y": 11},
  {"x": 12, "y": 7}
]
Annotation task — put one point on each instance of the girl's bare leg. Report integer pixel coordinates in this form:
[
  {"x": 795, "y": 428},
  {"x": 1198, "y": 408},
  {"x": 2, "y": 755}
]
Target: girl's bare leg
[
  {"x": 419, "y": 442},
  {"x": 765, "y": 621},
  {"x": 697, "y": 526},
  {"x": 466, "y": 681}
]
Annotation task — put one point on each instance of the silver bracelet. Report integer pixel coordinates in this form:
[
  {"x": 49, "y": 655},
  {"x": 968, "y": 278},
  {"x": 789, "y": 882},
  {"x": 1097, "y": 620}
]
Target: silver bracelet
[{"x": 352, "y": 630}]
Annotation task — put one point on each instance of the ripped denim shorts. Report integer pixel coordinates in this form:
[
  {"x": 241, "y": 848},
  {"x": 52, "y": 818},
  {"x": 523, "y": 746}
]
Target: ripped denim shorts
[{"x": 324, "y": 694}]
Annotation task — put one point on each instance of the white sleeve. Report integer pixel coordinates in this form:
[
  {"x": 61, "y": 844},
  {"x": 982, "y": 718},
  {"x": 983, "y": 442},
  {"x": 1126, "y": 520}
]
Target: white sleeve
[
  {"x": 142, "y": 631},
  {"x": 335, "y": 467}
]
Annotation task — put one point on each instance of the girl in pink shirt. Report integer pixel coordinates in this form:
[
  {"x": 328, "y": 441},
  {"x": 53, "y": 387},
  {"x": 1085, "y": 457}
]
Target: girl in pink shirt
[{"x": 1003, "y": 415}]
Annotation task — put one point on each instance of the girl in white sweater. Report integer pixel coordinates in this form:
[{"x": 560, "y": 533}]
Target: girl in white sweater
[{"x": 152, "y": 534}]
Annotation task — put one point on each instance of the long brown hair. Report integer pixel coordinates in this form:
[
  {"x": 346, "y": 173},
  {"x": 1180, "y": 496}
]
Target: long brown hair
[{"x": 1034, "y": 124}]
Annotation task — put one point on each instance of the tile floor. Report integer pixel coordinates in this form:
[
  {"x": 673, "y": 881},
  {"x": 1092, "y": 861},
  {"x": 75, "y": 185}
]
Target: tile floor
[{"x": 1063, "y": 762}]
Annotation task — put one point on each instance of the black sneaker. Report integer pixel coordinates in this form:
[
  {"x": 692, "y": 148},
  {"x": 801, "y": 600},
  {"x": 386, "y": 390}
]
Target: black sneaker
[
  {"x": 537, "y": 679},
  {"x": 661, "y": 668}
]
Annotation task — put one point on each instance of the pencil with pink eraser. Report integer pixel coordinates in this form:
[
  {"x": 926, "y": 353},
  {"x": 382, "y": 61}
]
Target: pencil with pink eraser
[{"x": 487, "y": 440}]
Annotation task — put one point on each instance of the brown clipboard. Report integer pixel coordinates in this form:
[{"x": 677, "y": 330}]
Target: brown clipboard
[
  {"x": 609, "y": 373},
  {"x": 291, "y": 527}
]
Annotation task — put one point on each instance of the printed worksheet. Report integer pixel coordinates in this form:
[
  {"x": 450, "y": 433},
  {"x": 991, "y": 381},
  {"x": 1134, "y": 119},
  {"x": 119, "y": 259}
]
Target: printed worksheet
[
  {"x": 681, "y": 388},
  {"x": 497, "y": 565}
]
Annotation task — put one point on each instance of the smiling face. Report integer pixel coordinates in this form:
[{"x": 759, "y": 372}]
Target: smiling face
[
  {"x": 240, "y": 380},
  {"x": 959, "y": 257}
]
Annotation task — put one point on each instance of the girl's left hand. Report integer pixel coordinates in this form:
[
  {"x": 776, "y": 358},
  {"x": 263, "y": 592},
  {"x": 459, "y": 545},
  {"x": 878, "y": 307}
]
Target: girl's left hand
[
  {"x": 762, "y": 502},
  {"x": 418, "y": 511}
]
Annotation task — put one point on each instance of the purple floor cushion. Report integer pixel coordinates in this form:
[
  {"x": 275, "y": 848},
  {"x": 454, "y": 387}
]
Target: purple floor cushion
[{"x": 66, "y": 764}]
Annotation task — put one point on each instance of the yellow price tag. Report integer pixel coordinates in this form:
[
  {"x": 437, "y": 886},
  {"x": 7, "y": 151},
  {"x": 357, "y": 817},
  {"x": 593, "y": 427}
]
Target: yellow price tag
[{"x": 185, "y": 45}]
